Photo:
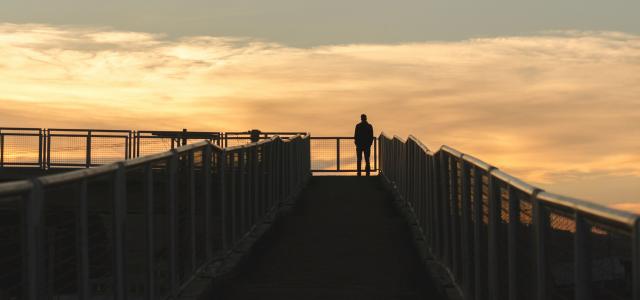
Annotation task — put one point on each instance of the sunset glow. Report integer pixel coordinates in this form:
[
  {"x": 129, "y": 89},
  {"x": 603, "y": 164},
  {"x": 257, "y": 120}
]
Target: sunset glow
[{"x": 560, "y": 109}]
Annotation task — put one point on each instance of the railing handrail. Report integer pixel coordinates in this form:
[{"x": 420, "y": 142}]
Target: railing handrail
[
  {"x": 107, "y": 168},
  {"x": 89, "y": 129},
  {"x": 480, "y": 223},
  {"x": 19, "y": 128},
  {"x": 15, "y": 187},
  {"x": 246, "y": 185},
  {"x": 418, "y": 142},
  {"x": 586, "y": 206}
]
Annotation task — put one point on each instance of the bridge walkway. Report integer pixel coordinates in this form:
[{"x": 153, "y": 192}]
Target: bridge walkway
[{"x": 344, "y": 240}]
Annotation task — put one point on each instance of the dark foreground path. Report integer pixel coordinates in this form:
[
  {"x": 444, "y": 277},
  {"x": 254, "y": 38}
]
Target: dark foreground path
[{"x": 344, "y": 240}]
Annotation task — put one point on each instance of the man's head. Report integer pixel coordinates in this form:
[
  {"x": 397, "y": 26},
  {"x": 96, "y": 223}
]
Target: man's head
[{"x": 363, "y": 117}]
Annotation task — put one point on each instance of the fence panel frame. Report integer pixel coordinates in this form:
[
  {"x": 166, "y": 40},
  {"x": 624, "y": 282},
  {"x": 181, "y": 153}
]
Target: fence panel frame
[{"x": 396, "y": 153}]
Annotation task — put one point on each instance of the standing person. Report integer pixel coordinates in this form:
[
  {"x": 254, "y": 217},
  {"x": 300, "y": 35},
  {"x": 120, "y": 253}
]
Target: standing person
[{"x": 363, "y": 139}]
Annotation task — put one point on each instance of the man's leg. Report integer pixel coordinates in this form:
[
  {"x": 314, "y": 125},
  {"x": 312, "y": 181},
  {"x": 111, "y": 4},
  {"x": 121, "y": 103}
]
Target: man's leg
[
  {"x": 367, "y": 153},
  {"x": 359, "y": 155}
]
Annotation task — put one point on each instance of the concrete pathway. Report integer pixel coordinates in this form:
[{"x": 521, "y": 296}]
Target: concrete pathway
[{"x": 343, "y": 241}]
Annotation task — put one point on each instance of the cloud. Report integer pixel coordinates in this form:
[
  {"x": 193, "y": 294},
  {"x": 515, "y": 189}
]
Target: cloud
[{"x": 558, "y": 107}]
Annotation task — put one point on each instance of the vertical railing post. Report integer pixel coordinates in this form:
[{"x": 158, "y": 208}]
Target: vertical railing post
[
  {"x": 255, "y": 183},
  {"x": 119, "y": 215},
  {"x": 48, "y": 149},
  {"x": 1, "y": 149},
  {"x": 438, "y": 203},
  {"x": 375, "y": 154},
  {"x": 478, "y": 232},
  {"x": 192, "y": 209},
  {"x": 173, "y": 223},
  {"x": 208, "y": 207},
  {"x": 40, "y": 148},
  {"x": 232, "y": 196},
  {"x": 455, "y": 219},
  {"x": 338, "y": 154},
  {"x": 273, "y": 170},
  {"x": 433, "y": 213},
  {"x": 446, "y": 210},
  {"x": 242, "y": 182},
  {"x": 514, "y": 225},
  {"x": 82, "y": 242},
  {"x": 222, "y": 162},
  {"x": 281, "y": 175},
  {"x": 467, "y": 263},
  {"x": 149, "y": 209},
  {"x": 88, "y": 146},
  {"x": 635, "y": 258},
  {"x": 138, "y": 142},
  {"x": 582, "y": 260},
  {"x": 126, "y": 147},
  {"x": 540, "y": 221},
  {"x": 35, "y": 283},
  {"x": 494, "y": 238}
]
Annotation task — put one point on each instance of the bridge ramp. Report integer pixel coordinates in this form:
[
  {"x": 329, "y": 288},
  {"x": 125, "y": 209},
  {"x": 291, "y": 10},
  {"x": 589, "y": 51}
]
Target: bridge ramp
[{"x": 344, "y": 240}]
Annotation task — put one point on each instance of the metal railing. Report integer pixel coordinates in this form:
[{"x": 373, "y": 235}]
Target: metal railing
[
  {"x": 338, "y": 154},
  {"x": 501, "y": 238},
  {"x": 21, "y": 147},
  {"x": 83, "y": 148},
  {"x": 141, "y": 228}
]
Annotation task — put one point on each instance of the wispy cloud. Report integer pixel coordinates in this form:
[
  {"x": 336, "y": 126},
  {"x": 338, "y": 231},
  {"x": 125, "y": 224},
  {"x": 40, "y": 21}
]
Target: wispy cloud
[{"x": 557, "y": 107}]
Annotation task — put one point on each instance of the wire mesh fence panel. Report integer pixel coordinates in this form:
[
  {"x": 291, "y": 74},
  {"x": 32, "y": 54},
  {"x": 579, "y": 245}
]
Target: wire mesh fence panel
[
  {"x": 67, "y": 150},
  {"x": 60, "y": 228},
  {"x": 236, "y": 141},
  {"x": 560, "y": 255},
  {"x": 147, "y": 145},
  {"x": 323, "y": 154},
  {"x": 611, "y": 259},
  {"x": 348, "y": 156},
  {"x": 161, "y": 246},
  {"x": 136, "y": 233},
  {"x": 11, "y": 249},
  {"x": 108, "y": 149},
  {"x": 20, "y": 150},
  {"x": 100, "y": 240}
]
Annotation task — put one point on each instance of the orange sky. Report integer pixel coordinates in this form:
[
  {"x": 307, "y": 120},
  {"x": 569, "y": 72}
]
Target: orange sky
[{"x": 559, "y": 109}]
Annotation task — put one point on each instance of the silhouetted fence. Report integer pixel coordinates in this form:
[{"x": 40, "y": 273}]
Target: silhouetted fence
[
  {"x": 338, "y": 154},
  {"x": 75, "y": 148},
  {"x": 84, "y": 148},
  {"x": 141, "y": 228},
  {"x": 502, "y": 238}
]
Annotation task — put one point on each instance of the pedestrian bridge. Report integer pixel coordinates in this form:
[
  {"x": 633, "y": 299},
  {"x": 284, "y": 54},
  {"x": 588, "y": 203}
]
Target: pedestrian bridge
[{"x": 213, "y": 220}]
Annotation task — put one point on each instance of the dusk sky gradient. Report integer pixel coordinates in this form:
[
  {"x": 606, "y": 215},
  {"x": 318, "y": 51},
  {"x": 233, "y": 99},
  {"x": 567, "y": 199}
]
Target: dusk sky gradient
[{"x": 546, "y": 90}]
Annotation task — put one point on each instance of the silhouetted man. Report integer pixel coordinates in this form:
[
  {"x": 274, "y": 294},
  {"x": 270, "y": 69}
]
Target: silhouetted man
[{"x": 363, "y": 139}]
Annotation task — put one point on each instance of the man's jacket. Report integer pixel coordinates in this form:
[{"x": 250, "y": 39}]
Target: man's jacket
[{"x": 363, "y": 135}]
